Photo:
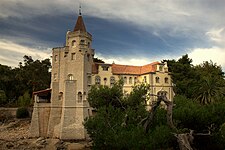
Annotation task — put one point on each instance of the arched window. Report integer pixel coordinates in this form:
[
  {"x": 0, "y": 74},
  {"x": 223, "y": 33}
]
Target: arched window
[
  {"x": 157, "y": 79},
  {"x": 89, "y": 44},
  {"x": 112, "y": 80},
  {"x": 70, "y": 77},
  {"x": 105, "y": 81},
  {"x": 79, "y": 97},
  {"x": 130, "y": 80},
  {"x": 97, "y": 80},
  {"x": 82, "y": 41},
  {"x": 125, "y": 80},
  {"x": 166, "y": 80},
  {"x": 73, "y": 42},
  {"x": 162, "y": 93}
]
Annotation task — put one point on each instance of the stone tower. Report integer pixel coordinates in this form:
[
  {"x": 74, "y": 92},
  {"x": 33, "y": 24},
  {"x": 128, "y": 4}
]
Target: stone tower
[{"x": 71, "y": 80}]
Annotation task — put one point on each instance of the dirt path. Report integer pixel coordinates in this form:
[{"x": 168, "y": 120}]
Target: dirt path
[{"x": 14, "y": 136}]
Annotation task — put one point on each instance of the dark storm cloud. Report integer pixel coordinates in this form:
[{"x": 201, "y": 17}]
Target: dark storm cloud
[{"x": 126, "y": 28}]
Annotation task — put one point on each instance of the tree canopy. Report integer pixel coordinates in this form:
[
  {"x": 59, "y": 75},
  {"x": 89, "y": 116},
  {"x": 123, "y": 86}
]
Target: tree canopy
[
  {"x": 204, "y": 82},
  {"x": 118, "y": 121},
  {"x": 31, "y": 75}
]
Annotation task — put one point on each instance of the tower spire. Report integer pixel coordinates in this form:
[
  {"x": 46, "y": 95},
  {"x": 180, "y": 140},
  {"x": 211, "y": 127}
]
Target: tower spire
[
  {"x": 80, "y": 26},
  {"x": 79, "y": 9}
]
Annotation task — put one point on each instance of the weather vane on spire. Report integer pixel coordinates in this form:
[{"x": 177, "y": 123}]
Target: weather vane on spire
[{"x": 80, "y": 9}]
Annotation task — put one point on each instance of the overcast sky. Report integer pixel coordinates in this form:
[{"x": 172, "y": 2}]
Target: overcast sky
[{"x": 124, "y": 31}]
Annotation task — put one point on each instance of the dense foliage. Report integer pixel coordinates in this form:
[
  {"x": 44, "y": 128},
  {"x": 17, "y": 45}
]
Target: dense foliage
[
  {"x": 118, "y": 121},
  {"x": 205, "y": 119},
  {"x": 17, "y": 83},
  {"x": 204, "y": 83}
]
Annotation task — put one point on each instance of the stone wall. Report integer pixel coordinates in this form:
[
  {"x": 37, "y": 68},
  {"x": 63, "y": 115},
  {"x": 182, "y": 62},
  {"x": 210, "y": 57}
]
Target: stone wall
[{"x": 8, "y": 113}]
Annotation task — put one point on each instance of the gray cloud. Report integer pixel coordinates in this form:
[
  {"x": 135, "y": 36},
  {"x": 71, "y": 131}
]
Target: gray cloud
[{"x": 180, "y": 16}]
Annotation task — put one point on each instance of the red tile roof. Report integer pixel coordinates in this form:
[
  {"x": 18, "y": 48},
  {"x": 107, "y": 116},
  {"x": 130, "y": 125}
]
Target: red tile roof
[
  {"x": 80, "y": 26},
  {"x": 42, "y": 91},
  {"x": 126, "y": 69}
]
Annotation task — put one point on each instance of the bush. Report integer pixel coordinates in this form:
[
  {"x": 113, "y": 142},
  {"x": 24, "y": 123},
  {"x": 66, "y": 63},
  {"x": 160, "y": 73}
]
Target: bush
[
  {"x": 22, "y": 112},
  {"x": 24, "y": 100}
]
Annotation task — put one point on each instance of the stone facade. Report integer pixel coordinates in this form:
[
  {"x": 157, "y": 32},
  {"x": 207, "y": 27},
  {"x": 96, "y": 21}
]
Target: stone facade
[{"x": 61, "y": 114}]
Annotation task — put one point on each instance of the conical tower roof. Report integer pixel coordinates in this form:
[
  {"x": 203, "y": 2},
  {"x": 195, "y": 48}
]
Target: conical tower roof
[{"x": 80, "y": 26}]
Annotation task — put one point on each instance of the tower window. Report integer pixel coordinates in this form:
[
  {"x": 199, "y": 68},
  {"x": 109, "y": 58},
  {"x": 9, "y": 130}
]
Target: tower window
[
  {"x": 79, "y": 97},
  {"x": 70, "y": 77},
  {"x": 89, "y": 44},
  {"x": 73, "y": 56},
  {"x": 88, "y": 57},
  {"x": 97, "y": 80},
  {"x": 73, "y": 42},
  {"x": 82, "y": 41}
]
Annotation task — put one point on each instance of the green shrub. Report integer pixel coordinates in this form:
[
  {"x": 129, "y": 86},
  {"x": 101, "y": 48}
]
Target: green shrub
[
  {"x": 24, "y": 100},
  {"x": 3, "y": 98},
  {"x": 22, "y": 112}
]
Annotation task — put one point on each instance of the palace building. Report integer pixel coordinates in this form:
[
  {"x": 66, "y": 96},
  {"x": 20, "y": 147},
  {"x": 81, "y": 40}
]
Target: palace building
[{"x": 60, "y": 110}]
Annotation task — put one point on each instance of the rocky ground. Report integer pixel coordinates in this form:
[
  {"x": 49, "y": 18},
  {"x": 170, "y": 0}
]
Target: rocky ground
[{"x": 14, "y": 136}]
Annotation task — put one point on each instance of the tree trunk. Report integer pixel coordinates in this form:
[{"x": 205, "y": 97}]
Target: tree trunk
[{"x": 185, "y": 139}]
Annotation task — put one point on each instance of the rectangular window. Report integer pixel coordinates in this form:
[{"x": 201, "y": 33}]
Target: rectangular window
[
  {"x": 130, "y": 80},
  {"x": 160, "y": 68},
  {"x": 88, "y": 57},
  {"x": 89, "y": 80},
  {"x": 145, "y": 79},
  {"x": 73, "y": 56},
  {"x": 125, "y": 80},
  {"x": 135, "y": 80}
]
